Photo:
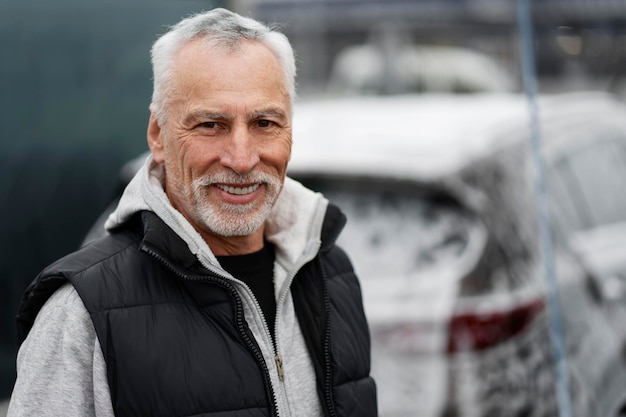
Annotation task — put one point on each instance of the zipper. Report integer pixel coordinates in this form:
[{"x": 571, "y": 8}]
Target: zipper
[
  {"x": 327, "y": 392},
  {"x": 281, "y": 301},
  {"x": 274, "y": 344},
  {"x": 279, "y": 365},
  {"x": 239, "y": 314},
  {"x": 328, "y": 377}
]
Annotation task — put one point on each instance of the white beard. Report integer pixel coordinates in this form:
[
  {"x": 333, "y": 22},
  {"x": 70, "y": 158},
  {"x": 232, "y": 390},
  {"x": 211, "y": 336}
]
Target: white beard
[{"x": 232, "y": 219}]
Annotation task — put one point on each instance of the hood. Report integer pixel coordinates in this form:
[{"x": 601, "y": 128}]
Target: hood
[{"x": 293, "y": 226}]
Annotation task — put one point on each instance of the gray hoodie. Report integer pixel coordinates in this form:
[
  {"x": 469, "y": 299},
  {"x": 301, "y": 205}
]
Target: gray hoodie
[{"x": 60, "y": 367}]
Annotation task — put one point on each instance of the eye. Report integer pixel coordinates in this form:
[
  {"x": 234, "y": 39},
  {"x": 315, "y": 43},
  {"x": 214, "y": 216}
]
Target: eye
[
  {"x": 265, "y": 123},
  {"x": 208, "y": 125}
]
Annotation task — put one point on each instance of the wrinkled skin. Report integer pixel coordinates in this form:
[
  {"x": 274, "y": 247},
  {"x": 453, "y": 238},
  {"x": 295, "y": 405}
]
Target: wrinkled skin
[{"x": 226, "y": 141}]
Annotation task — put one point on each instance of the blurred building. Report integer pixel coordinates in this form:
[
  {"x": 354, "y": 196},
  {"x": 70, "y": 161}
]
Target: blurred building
[{"x": 575, "y": 39}]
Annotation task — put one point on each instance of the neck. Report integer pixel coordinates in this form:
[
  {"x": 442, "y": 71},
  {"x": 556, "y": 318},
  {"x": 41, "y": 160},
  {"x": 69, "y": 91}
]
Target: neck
[{"x": 234, "y": 245}]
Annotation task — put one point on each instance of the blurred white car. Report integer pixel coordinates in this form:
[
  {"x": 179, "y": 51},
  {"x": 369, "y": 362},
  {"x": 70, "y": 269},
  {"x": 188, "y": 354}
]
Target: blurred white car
[
  {"x": 443, "y": 231},
  {"x": 588, "y": 178}
]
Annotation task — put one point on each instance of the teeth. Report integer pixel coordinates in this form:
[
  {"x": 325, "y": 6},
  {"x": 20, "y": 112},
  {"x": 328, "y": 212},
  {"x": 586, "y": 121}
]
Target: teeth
[{"x": 238, "y": 190}]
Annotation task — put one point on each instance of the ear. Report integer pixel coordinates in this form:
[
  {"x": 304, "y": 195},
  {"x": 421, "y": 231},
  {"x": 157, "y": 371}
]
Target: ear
[{"x": 155, "y": 139}]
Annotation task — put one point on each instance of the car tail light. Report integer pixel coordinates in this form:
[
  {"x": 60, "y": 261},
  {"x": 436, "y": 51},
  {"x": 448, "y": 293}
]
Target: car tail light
[{"x": 475, "y": 331}]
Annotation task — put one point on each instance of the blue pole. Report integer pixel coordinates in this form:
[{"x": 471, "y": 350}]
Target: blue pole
[{"x": 547, "y": 247}]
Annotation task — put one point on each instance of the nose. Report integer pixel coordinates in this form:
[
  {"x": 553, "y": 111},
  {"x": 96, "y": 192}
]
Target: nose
[{"x": 240, "y": 151}]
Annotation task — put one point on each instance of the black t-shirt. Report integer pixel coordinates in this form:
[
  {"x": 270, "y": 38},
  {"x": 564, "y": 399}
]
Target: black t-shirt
[{"x": 256, "y": 270}]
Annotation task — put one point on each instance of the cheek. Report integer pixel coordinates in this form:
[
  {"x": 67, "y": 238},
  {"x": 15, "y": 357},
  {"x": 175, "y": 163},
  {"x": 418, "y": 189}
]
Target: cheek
[
  {"x": 281, "y": 153},
  {"x": 179, "y": 165},
  {"x": 283, "y": 144}
]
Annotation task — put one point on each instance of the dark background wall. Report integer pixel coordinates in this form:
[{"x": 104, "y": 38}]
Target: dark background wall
[{"x": 75, "y": 84}]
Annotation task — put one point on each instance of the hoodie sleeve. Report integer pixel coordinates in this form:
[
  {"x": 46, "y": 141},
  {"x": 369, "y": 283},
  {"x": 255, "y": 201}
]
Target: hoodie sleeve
[{"x": 60, "y": 367}]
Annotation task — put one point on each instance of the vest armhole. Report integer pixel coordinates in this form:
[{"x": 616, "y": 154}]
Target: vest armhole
[{"x": 35, "y": 296}]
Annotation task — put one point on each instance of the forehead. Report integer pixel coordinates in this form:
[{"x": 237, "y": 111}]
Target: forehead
[
  {"x": 217, "y": 65},
  {"x": 209, "y": 77}
]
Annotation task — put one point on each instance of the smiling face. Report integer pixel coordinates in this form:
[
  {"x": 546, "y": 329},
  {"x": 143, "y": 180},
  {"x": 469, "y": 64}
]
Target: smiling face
[{"x": 226, "y": 141}]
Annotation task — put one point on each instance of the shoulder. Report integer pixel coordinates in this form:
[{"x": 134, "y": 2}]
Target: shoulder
[
  {"x": 45, "y": 289},
  {"x": 66, "y": 301},
  {"x": 63, "y": 314},
  {"x": 59, "y": 365},
  {"x": 62, "y": 328},
  {"x": 95, "y": 252}
]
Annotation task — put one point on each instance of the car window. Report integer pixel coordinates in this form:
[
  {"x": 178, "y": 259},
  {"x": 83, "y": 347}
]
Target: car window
[
  {"x": 397, "y": 230},
  {"x": 587, "y": 183}
]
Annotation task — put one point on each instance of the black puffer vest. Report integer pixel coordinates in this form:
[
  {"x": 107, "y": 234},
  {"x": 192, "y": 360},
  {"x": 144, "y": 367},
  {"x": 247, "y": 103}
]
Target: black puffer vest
[{"x": 174, "y": 336}]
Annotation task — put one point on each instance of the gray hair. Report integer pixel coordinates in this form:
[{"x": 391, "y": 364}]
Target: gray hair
[{"x": 225, "y": 29}]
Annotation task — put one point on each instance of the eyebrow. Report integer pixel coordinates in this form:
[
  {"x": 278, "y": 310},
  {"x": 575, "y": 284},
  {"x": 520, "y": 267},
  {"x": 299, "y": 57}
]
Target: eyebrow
[
  {"x": 269, "y": 112},
  {"x": 254, "y": 115},
  {"x": 203, "y": 115}
]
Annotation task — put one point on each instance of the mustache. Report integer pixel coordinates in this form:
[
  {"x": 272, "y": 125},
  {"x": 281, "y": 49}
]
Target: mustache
[{"x": 233, "y": 178}]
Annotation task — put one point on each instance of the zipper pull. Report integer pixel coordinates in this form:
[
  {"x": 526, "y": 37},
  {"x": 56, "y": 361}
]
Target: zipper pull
[{"x": 279, "y": 364}]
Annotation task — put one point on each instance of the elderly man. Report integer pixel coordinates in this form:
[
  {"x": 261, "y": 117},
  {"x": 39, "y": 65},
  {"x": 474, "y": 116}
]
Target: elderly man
[{"x": 218, "y": 289}]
